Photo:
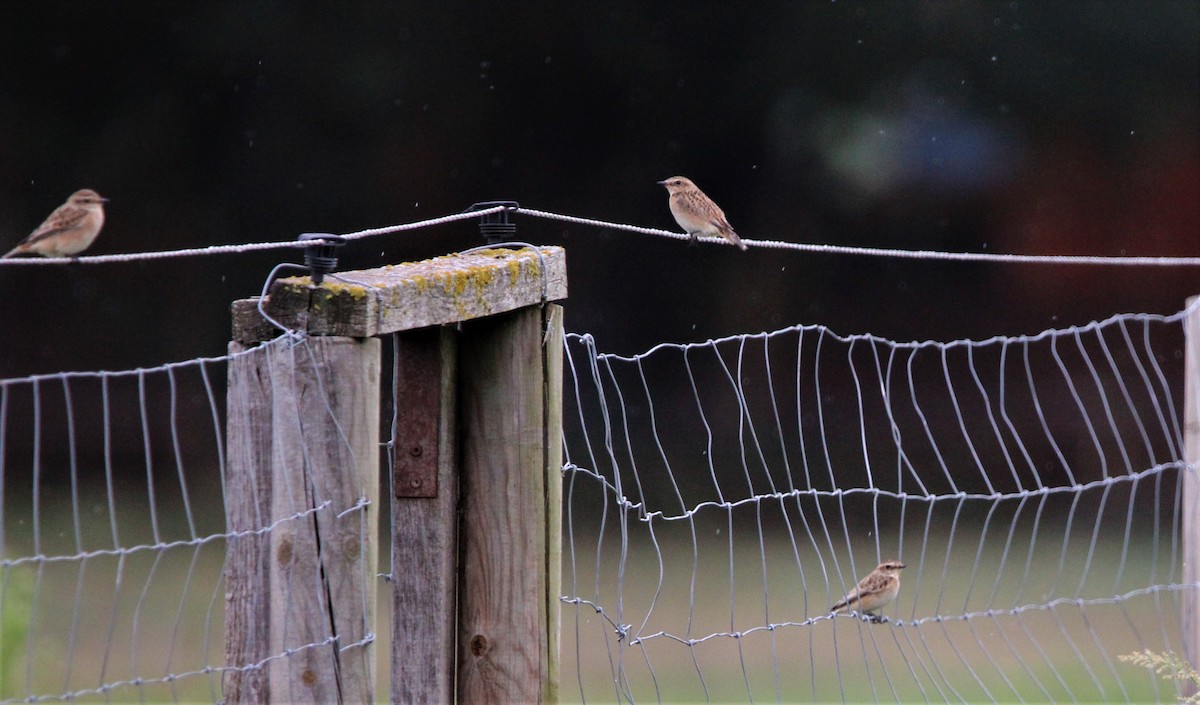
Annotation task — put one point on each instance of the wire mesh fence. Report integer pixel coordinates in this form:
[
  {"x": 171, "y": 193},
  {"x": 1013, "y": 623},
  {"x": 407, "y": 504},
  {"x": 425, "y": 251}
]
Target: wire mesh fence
[{"x": 719, "y": 498}]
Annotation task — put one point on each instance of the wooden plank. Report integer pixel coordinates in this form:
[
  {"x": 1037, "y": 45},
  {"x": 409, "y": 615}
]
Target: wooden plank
[
  {"x": 553, "y": 356},
  {"x": 411, "y": 295},
  {"x": 247, "y": 506},
  {"x": 424, "y": 528},
  {"x": 502, "y": 596},
  {"x": 1191, "y": 491},
  {"x": 250, "y": 328},
  {"x": 343, "y": 402},
  {"x": 309, "y": 416},
  {"x": 325, "y": 449}
]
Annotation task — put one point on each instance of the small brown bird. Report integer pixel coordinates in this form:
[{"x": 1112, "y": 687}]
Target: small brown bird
[
  {"x": 872, "y": 592},
  {"x": 696, "y": 213},
  {"x": 69, "y": 230}
]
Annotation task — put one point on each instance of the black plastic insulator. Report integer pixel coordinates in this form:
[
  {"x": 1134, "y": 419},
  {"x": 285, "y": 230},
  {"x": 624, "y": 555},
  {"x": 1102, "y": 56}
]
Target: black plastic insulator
[
  {"x": 321, "y": 254},
  {"x": 496, "y": 227}
]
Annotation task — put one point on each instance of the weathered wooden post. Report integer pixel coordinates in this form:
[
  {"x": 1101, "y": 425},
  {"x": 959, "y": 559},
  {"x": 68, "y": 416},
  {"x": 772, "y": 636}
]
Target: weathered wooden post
[
  {"x": 511, "y": 443},
  {"x": 1191, "y": 488},
  {"x": 476, "y": 486},
  {"x": 301, "y": 496}
]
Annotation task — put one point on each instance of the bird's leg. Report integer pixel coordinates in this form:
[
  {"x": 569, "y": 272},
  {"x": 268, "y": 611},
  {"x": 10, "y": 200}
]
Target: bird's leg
[{"x": 692, "y": 239}]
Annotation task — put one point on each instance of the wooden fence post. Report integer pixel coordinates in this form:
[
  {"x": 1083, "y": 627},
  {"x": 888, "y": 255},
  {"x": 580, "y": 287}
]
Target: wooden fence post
[
  {"x": 302, "y": 478},
  {"x": 477, "y": 430},
  {"x": 1191, "y": 488},
  {"x": 511, "y": 428}
]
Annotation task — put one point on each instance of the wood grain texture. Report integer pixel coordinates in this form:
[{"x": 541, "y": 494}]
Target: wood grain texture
[
  {"x": 247, "y": 505},
  {"x": 311, "y": 415},
  {"x": 425, "y": 529},
  {"x": 410, "y": 295},
  {"x": 1191, "y": 491},
  {"x": 552, "y": 350},
  {"x": 502, "y": 599}
]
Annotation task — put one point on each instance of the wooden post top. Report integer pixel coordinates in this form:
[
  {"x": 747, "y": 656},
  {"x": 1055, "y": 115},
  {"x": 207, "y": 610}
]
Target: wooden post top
[{"x": 396, "y": 297}]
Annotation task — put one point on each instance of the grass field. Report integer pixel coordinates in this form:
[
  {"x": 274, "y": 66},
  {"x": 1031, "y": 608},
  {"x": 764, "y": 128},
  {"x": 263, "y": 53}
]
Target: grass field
[
  {"x": 1067, "y": 654},
  {"x": 105, "y": 619}
]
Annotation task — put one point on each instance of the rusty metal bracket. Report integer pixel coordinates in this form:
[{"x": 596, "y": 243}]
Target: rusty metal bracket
[{"x": 417, "y": 383}]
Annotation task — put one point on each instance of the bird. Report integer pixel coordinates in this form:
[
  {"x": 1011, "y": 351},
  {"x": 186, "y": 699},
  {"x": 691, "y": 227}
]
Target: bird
[
  {"x": 696, "y": 213},
  {"x": 873, "y": 592},
  {"x": 69, "y": 230}
]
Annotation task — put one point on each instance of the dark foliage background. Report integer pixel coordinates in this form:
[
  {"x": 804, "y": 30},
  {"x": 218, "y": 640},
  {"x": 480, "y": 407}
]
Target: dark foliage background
[{"x": 1035, "y": 127}]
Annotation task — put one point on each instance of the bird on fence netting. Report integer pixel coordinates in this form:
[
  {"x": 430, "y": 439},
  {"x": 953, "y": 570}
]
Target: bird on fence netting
[
  {"x": 873, "y": 592},
  {"x": 696, "y": 213},
  {"x": 69, "y": 230}
]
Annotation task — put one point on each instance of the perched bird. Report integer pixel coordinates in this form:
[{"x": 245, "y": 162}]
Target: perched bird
[
  {"x": 696, "y": 213},
  {"x": 872, "y": 592},
  {"x": 69, "y": 230}
]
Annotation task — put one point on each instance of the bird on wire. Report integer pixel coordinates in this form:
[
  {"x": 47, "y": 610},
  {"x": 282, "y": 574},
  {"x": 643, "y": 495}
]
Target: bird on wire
[
  {"x": 69, "y": 230},
  {"x": 696, "y": 213},
  {"x": 873, "y": 592}
]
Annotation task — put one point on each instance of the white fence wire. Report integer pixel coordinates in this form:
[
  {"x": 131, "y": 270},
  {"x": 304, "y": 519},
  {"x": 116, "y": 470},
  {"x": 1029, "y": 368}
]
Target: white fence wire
[
  {"x": 996, "y": 257},
  {"x": 724, "y": 495}
]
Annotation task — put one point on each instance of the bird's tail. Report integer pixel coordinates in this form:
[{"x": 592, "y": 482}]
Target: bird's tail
[{"x": 733, "y": 237}]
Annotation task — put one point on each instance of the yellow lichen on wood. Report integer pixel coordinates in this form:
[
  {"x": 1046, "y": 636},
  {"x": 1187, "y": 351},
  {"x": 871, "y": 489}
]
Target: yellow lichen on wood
[
  {"x": 295, "y": 285},
  {"x": 353, "y": 290},
  {"x": 429, "y": 292},
  {"x": 514, "y": 270}
]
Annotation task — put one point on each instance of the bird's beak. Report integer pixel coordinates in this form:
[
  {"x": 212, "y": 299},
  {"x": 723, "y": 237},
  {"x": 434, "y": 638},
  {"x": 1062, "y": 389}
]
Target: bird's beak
[
  {"x": 661, "y": 183},
  {"x": 103, "y": 200}
]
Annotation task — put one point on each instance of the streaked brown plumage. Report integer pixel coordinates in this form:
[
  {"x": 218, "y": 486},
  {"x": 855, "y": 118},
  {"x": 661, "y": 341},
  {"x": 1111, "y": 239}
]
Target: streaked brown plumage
[
  {"x": 69, "y": 230},
  {"x": 873, "y": 592},
  {"x": 696, "y": 213}
]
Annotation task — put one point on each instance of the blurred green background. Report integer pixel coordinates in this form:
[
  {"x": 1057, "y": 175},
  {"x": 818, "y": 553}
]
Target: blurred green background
[{"x": 160, "y": 612}]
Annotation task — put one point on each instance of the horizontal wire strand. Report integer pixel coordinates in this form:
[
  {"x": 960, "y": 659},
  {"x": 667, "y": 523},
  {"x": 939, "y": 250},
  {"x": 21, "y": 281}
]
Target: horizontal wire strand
[
  {"x": 817, "y": 248},
  {"x": 884, "y": 252},
  {"x": 248, "y": 247}
]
